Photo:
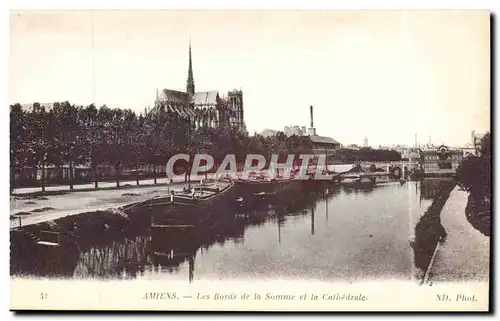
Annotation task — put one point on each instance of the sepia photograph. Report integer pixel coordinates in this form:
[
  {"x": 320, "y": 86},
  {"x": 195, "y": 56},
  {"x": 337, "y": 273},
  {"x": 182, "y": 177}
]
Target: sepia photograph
[{"x": 250, "y": 160}]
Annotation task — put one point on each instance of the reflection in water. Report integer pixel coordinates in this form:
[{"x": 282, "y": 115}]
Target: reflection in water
[
  {"x": 429, "y": 231},
  {"x": 119, "y": 258},
  {"x": 429, "y": 187},
  {"x": 326, "y": 204},
  {"x": 312, "y": 220},
  {"x": 281, "y": 221},
  {"x": 355, "y": 238}
]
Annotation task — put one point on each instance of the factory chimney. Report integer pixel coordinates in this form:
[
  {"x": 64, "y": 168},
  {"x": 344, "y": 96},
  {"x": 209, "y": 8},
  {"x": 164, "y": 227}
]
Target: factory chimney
[
  {"x": 312, "y": 130},
  {"x": 312, "y": 119}
]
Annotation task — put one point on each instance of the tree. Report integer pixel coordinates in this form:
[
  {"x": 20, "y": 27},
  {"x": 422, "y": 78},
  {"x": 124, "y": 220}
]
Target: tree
[
  {"x": 42, "y": 140},
  {"x": 474, "y": 172},
  {"x": 116, "y": 137},
  {"x": 93, "y": 137},
  {"x": 134, "y": 146},
  {"x": 18, "y": 140},
  {"x": 69, "y": 136},
  {"x": 157, "y": 132},
  {"x": 202, "y": 140}
]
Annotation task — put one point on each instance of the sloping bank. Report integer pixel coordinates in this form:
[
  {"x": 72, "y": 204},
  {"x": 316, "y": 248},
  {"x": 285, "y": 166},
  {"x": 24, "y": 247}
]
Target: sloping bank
[
  {"x": 429, "y": 231},
  {"x": 80, "y": 229}
]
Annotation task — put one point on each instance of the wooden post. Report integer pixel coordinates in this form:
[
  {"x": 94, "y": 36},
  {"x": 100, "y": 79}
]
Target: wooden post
[{"x": 19, "y": 217}]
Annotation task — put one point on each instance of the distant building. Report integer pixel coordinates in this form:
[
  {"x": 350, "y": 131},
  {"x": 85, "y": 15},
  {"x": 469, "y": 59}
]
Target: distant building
[
  {"x": 268, "y": 132},
  {"x": 476, "y": 139},
  {"x": 30, "y": 107},
  {"x": 208, "y": 108},
  {"x": 440, "y": 161},
  {"x": 468, "y": 150},
  {"x": 323, "y": 144},
  {"x": 365, "y": 143},
  {"x": 473, "y": 147},
  {"x": 295, "y": 130},
  {"x": 353, "y": 146},
  {"x": 320, "y": 144},
  {"x": 408, "y": 153}
]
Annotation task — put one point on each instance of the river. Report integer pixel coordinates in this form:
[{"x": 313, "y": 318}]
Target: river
[{"x": 340, "y": 233}]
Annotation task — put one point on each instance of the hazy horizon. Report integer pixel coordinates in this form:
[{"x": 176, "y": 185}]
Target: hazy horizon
[{"x": 385, "y": 75}]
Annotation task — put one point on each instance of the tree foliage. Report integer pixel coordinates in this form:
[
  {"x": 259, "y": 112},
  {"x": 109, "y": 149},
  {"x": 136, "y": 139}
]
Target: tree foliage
[
  {"x": 474, "y": 172},
  {"x": 112, "y": 138},
  {"x": 366, "y": 154}
]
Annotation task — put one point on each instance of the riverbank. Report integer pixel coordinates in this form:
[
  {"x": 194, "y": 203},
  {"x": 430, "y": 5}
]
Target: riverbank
[
  {"x": 45, "y": 208},
  {"x": 28, "y": 192},
  {"x": 465, "y": 255},
  {"x": 429, "y": 232}
]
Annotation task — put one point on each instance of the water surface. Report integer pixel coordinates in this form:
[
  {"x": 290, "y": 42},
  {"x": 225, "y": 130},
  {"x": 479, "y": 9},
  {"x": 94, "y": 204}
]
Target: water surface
[{"x": 341, "y": 233}]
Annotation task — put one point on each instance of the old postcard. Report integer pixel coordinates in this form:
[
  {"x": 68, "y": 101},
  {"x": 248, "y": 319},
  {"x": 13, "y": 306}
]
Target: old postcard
[{"x": 250, "y": 160}]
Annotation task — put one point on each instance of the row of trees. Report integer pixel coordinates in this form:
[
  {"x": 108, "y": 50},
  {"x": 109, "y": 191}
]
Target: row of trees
[
  {"x": 366, "y": 154},
  {"x": 69, "y": 135},
  {"x": 72, "y": 135}
]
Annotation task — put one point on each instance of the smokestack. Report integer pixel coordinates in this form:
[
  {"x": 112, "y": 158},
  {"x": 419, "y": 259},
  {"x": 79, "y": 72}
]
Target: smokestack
[
  {"x": 312, "y": 130},
  {"x": 312, "y": 120}
]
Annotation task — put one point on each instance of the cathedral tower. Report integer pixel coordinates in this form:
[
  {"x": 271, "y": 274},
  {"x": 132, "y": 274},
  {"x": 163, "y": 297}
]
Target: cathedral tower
[{"x": 190, "y": 79}]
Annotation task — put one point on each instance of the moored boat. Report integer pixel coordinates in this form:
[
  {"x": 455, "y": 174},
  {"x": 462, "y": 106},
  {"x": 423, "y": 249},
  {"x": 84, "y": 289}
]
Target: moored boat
[
  {"x": 204, "y": 203},
  {"x": 260, "y": 185}
]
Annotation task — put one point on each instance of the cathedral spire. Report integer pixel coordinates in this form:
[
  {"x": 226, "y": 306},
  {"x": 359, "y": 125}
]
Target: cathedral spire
[{"x": 190, "y": 80}]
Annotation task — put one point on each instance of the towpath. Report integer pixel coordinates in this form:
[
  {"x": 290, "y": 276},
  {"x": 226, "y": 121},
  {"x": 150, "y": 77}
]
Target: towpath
[{"x": 465, "y": 255}]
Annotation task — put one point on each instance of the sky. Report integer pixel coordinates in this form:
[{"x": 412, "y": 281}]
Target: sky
[{"x": 384, "y": 75}]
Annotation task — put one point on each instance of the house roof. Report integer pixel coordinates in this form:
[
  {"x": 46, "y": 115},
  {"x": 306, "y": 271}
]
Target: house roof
[{"x": 323, "y": 140}]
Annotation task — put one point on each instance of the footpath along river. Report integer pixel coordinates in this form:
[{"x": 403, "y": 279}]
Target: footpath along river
[{"x": 342, "y": 233}]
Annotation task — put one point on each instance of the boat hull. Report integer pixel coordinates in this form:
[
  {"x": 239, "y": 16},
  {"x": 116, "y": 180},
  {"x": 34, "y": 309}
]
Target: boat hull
[
  {"x": 248, "y": 187},
  {"x": 188, "y": 211}
]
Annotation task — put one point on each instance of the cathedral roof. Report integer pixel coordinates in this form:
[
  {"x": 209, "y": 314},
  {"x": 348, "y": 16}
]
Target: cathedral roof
[
  {"x": 205, "y": 98},
  {"x": 174, "y": 96}
]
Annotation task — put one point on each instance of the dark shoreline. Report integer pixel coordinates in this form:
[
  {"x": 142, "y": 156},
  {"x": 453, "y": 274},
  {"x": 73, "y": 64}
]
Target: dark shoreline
[{"x": 429, "y": 231}]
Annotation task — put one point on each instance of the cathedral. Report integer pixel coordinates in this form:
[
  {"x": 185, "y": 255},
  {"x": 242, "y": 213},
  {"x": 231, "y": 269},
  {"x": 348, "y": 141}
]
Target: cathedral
[{"x": 206, "y": 108}]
